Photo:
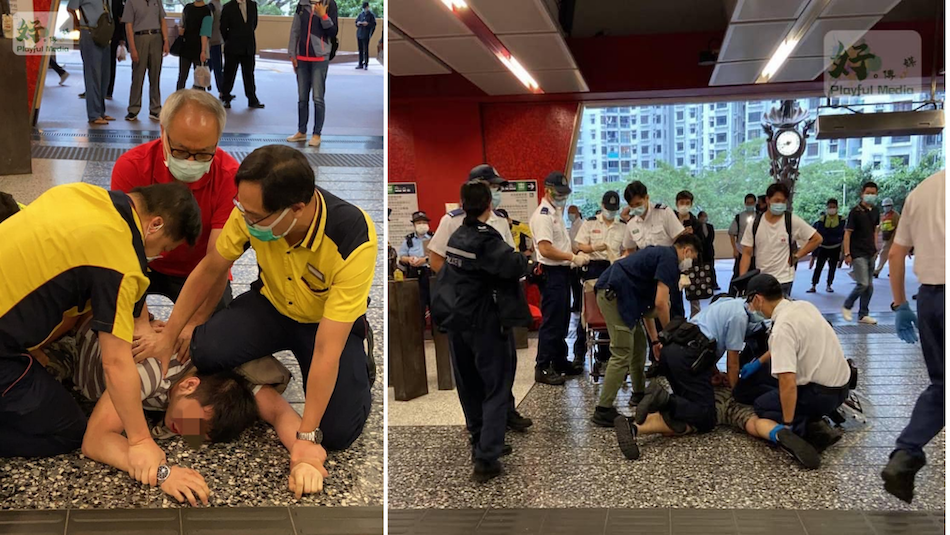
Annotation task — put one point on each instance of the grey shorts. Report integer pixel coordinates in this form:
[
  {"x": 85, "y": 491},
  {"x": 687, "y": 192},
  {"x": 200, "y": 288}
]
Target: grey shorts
[{"x": 730, "y": 412}]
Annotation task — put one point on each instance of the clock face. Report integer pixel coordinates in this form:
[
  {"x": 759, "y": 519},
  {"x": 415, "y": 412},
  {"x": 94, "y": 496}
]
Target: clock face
[{"x": 788, "y": 142}]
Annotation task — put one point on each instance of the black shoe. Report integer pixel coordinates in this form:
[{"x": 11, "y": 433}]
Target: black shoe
[
  {"x": 635, "y": 399},
  {"x": 256, "y": 106},
  {"x": 899, "y": 475},
  {"x": 359, "y": 66},
  {"x": 505, "y": 451},
  {"x": 485, "y": 471},
  {"x": 597, "y": 370},
  {"x": 82, "y": 95},
  {"x": 655, "y": 400},
  {"x": 829, "y": 289},
  {"x": 798, "y": 448},
  {"x": 811, "y": 290},
  {"x": 653, "y": 371},
  {"x": 227, "y": 104},
  {"x": 570, "y": 369},
  {"x": 365, "y": 67},
  {"x": 627, "y": 437},
  {"x": 548, "y": 376},
  {"x": 604, "y": 416},
  {"x": 131, "y": 117},
  {"x": 821, "y": 435},
  {"x": 517, "y": 422}
]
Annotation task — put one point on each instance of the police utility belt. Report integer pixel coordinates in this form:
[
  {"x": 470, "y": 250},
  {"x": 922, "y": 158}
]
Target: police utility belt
[{"x": 688, "y": 336}]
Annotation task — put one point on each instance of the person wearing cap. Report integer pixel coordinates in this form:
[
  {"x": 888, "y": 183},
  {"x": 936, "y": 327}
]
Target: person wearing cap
[
  {"x": 633, "y": 289},
  {"x": 412, "y": 256},
  {"x": 438, "y": 247},
  {"x": 601, "y": 237},
  {"x": 556, "y": 256},
  {"x": 478, "y": 300},
  {"x": 860, "y": 248},
  {"x": 831, "y": 227},
  {"x": 889, "y": 221},
  {"x": 520, "y": 232},
  {"x": 924, "y": 230},
  {"x": 806, "y": 358}
]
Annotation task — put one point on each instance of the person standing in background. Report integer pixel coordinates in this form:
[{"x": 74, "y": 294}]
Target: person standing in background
[
  {"x": 684, "y": 203},
  {"x": 737, "y": 230},
  {"x": 118, "y": 38},
  {"x": 63, "y": 75},
  {"x": 860, "y": 235},
  {"x": 215, "y": 62},
  {"x": 147, "y": 36},
  {"x": 196, "y": 24},
  {"x": 707, "y": 234},
  {"x": 889, "y": 221},
  {"x": 311, "y": 42},
  {"x": 96, "y": 68},
  {"x": 831, "y": 228},
  {"x": 365, "y": 26},
  {"x": 238, "y": 24}
]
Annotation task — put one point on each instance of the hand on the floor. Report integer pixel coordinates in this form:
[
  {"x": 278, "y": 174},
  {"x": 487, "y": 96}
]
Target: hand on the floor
[
  {"x": 186, "y": 484},
  {"x": 906, "y": 323},
  {"x": 306, "y": 479},
  {"x": 144, "y": 459},
  {"x": 306, "y": 451}
]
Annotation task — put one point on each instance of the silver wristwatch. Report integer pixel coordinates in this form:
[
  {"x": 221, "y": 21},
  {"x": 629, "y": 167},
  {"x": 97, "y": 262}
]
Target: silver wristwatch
[
  {"x": 315, "y": 436},
  {"x": 163, "y": 472}
]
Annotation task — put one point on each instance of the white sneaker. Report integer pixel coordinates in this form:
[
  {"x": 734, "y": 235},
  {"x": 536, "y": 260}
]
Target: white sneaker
[
  {"x": 868, "y": 320},
  {"x": 314, "y": 141},
  {"x": 297, "y": 137},
  {"x": 846, "y": 312}
]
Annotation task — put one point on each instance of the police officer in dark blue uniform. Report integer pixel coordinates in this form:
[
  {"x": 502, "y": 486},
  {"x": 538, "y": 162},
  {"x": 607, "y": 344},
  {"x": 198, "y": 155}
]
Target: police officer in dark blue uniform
[{"x": 478, "y": 300}]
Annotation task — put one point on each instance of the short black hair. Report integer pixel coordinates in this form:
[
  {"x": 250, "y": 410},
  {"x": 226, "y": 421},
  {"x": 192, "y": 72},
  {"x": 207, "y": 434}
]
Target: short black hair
[
  {"x": 684, "y": 195},
  {"x": 476, "y": 198},
  {"x": 776, "y": 187},
  {"x": 634, "y": 189},
  {"x": 869, "y": 184},
  {"x": 689, "y": 240},
  {"x": 832, "y": 201},
  {"x": 749, "y": 196},
  {"x": 701, "y": 214},
  {"x": 233, "y": 407},
  {"x": 365, "y": 4},
  {"x": 8, "y": 206},
  {"x": 284, "y": 174},
  {"x": 177, "y": 206}
]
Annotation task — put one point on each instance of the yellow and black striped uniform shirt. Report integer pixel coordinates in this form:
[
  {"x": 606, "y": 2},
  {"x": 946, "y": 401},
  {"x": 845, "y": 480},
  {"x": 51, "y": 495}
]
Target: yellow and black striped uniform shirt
[
  {"x": 327, "y": 275},
  {"x": 76, "y": 248}
]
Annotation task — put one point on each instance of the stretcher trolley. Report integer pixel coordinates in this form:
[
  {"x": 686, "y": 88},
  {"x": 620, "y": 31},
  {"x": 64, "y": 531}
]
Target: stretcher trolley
[{"x": 596, "y": 329}]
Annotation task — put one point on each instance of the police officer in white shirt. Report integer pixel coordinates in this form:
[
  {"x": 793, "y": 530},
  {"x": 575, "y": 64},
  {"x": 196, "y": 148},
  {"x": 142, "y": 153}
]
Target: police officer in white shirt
[
  {"x": 806, "y": 358},
  {"x": 601, "y": 237},
  {"x": 923, "y": 227},
  {"x": 556, "y": 256},
  {"x": 774, "y": 240},
  {"x": 453, "y": 220}
]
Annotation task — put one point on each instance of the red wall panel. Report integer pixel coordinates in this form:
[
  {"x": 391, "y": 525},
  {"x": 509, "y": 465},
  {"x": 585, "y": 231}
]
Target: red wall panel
[{"x": 526, "y": 141}]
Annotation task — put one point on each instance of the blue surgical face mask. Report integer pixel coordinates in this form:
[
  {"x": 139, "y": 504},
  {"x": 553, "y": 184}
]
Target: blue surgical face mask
[
  {"x": 559, "y": 203},
  {"x": 638, "y": 210},
  {"x": 609, "y": 215},
  {"x": 750, "y": 208},
  {"x": 870, "y": 198},
  {"x": 267, "y": 233},
  {"x": 754, "y": 315},
  {"x": 777, "y": 208},
  {"x": 496, "y": 198}
]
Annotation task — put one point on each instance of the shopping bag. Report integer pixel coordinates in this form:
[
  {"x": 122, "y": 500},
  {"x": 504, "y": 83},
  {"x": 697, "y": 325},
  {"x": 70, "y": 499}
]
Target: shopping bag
[
  {"x": 700, "y": 282},
  {"x": 121, "y": 53},
  {"x": 203, "y": 76}
]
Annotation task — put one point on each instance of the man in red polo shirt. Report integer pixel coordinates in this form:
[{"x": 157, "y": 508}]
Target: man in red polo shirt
[{"x": 187, "y": 151}]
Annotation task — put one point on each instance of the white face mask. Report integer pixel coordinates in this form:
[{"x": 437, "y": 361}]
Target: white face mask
[
  {"x": 187, "y": 171},
  {"x": 422, "y": 228},
  {"x": 686, "y": 264},
  {"x": 832, "y": 211},
  {"x": 683, "y": 209}
]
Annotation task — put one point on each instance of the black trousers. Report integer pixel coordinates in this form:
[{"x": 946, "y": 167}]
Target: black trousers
[
  {"x": 364, "y": 51},
  {"x": 251, "y": 328},
  {"x": 693, "y": 400},
  {"x": 38, "y": 416},
  {"x": 555, "y": 317},
  {"x": 170, "y": 286},
  {"x": 113, "y": 50},
  {"x": 830, "y": 256},
  {"x": 483, "y": 363},
  {"x": 185, "y": 66},
  {"x": 577, "y": 289},
  {"x": 231, "y": 63},
  {"x": 56, "y": 66},
  {"x": 591, "y": 271},
  {"x": 814, "y": 402}
]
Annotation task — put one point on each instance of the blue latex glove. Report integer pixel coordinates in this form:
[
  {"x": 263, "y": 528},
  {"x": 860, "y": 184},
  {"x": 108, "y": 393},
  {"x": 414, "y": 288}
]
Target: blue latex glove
[
  {"x": 773, "y": 434},
  {"x": 906, "y": 323},
  {"x": 750, "y": 368}
]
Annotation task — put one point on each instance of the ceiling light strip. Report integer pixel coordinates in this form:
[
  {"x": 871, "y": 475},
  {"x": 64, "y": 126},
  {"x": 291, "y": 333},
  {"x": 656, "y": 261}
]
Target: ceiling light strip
[
  {"x": 794, "y": 36},
  {"x": 484, "y": 34}
]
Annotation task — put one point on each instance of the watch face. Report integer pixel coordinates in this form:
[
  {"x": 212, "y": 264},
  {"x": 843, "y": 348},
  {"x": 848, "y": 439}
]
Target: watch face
[
  {"x": 163, "y": 472},
  {"x": 788, "y": 142}
]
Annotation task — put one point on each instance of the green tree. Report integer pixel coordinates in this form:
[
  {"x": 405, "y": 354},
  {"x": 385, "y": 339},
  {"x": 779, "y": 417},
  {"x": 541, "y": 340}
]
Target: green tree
[{"x": 352, "y": 8}]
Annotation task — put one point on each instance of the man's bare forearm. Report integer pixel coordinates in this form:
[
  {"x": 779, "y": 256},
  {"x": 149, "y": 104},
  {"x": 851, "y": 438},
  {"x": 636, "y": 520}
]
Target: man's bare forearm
[
  {"x": 898, "y": 272},
  {"x": 732, "y": 367},
  {"x": 194, "y": 293},
  {"x": 124, "y": 386},
  {"x": 320, "y": 384},
  {"x": 788, "y": 395},
  {"x": 276, "y": 411},
  {"x": 210, "y": 303},
  {"x": 107, "y": 448}
]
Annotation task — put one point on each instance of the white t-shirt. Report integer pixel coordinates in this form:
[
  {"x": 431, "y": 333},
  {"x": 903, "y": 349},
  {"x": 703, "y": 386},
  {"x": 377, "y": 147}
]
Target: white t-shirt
[
  {"x": 453, "y": 220},
  {"x": 771, "y": 245},
  {"x": 660, "y": 226},
  {"x": 802, "y": 342},
  {"x": 598, "y": 231},
  {"x": 923, "y": 226},
  {"x": 547, "y": 225}
]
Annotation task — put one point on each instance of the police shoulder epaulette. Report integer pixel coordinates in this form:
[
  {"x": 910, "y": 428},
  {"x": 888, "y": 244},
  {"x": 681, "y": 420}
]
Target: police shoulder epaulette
[
  {"x": 544, "y": 210},
  {"x": 660, "y": 205},
  {"x": 457, "y": 212},
  {"x": 497, "y": 213},
  {"x": 410, "y": 235},
  {"x": 592, "y": 218}
]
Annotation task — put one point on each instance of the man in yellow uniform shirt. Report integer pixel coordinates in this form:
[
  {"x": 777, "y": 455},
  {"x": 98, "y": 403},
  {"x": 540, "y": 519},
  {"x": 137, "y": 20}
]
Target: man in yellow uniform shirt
[
  {"x": 80, "y": 248},
  {"x": 317, "y": 255}
]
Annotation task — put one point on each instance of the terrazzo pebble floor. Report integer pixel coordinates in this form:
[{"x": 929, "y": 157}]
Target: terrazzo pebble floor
[{"x": 251, "y": 472}]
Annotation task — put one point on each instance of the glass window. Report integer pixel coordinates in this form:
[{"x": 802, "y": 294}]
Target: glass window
[
  {"x": 679, "y": 162},
  {"x": 812, "y": 149},
  {"x": 877, "y": 141},
  {"x": 721, "y": 120},
  {"x": 679, "y": 115},
  {"x": 578, "y": 165},
  {"x": 679, "y": 146},
  {"x": 721, "y": 138},
  {"x": 900, "y": 139},
  {"x": 659, "y": 148}
]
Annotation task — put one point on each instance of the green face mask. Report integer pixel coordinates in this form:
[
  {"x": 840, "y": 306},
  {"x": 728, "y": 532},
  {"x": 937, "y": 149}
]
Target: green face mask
[{"x": 267, "y": 233}]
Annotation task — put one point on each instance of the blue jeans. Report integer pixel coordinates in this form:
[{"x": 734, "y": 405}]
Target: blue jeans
[
  {"x": 96, "y": 70},
  {"x": 311, "y": 75},
  {"x": 928, "y": 417},
  {"x": 862, "y": 268}
]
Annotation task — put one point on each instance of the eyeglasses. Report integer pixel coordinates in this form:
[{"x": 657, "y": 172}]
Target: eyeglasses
[
  {"x": 240, "y": 207},
  {"x": 186, "y": 155}
]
